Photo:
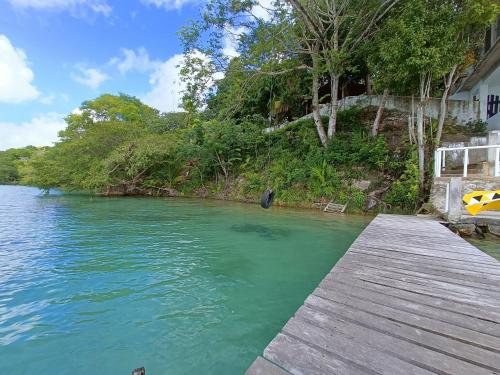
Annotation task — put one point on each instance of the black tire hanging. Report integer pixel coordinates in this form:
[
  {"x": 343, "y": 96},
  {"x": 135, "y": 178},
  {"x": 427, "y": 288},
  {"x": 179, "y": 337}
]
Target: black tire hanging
[{"x": 267, "y": 198}]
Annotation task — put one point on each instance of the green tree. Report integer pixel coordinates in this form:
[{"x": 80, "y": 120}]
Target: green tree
[
  {"x": 467, "y": 20},
  {"x": 149, "y": 161},
  {"x": 92, "y": 134},
  {"x": 413, "y": 51},
  {"x": 334, "y": 31},
  {"x": 10, "y": 162}
]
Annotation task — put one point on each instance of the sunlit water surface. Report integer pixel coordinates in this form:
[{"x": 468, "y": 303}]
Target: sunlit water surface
[{"x": 104, "y": 285}]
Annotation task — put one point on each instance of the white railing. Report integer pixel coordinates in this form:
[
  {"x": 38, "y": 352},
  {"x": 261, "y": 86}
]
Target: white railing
[{"x": 440, "y": 158}]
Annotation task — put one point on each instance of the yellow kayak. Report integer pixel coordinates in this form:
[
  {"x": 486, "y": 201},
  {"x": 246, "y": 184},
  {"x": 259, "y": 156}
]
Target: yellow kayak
[{"x": 478, "y": 201}]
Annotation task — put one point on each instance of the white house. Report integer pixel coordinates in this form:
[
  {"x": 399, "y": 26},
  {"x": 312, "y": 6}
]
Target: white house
[{"x": 483, "y": 84}]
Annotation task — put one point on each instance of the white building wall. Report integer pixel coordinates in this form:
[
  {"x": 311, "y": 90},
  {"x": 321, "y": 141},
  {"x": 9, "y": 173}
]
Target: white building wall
[{"x": 490, "y": 85}]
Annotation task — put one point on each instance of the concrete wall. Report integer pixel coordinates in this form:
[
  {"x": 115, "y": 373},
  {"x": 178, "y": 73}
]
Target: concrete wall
[
  {"x": 494, "y": 122},
  {"x": 460, "y": 110}
]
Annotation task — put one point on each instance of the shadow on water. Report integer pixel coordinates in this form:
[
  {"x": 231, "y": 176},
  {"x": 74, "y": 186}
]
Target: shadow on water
[{"x": 262, "y": 230}]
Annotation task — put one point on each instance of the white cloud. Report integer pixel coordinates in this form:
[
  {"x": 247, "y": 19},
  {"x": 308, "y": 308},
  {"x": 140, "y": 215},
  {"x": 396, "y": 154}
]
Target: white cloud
[
  {"x": 231, "y": 41},
  {"x": 47, "y": 99},
  {"x": 132, "y": 60},
  {"x": 90, "y": 77},
  {"x": 168, "y": 4},
  {"x": 15, "y": 75},
  {"x": 166, "y": 85},
  {"x": 74, "y": 6},
  {"x": 42, "y": 130},
  {"x": 263, "y": 9}
]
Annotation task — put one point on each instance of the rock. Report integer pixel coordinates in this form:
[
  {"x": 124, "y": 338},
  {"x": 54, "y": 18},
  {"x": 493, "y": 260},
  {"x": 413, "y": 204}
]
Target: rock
[
  {"x": 494, "y": 229},
  {"x": 370, "y": 203},
  {"x": 480, "y": 231},
  {"x": 374, "y": 198},
  {"x": 362, "y": 185},
  {"x": 139, "y": 371},
  {"x": 465, "y": 230}
]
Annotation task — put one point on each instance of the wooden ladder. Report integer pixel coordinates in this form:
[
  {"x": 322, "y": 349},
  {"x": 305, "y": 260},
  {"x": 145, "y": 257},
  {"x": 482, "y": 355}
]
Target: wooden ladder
[{"x": 335, "y": 207}]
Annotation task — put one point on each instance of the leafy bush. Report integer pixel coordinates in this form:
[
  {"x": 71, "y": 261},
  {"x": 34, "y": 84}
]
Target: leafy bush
[
  {"x": 361, "y": 149},
  {"x": 349, "y": 120},
  {"x": 254, "y": 182},
  {"x": 405, "y": 191},
  {"x": 354, "y": 198},
  {"x": 324, "y": 181},
  {"x": 477, "y": 127}
]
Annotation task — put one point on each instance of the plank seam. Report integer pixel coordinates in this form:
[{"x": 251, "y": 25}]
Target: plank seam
[
  {"x": 418, "y": 327},
  {"x": 444, "y": 265},
  {"x": 488, "y": 265},
  {"x": 388, "y": 333},
  {"x": 333, "y": 354},
  {"x": 389, "y": 353},
  {"x": 422, "y": 270},
  {"x": 422, "y": 282},
  {"x": 413, "y": 312}
]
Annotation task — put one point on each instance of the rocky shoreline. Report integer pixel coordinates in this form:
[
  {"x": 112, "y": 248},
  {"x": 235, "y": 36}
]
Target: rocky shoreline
[{"x": 478, "y": 229}]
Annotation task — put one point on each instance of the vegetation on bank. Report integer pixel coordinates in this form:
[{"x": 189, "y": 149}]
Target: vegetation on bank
[
  {"x": 117, "y": 145},
  {"x": 13, "y": 164}
]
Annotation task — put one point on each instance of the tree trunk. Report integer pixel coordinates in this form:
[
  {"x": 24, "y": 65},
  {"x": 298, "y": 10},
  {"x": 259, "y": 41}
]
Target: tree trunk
[
  {"x": 334, "y": 105},
  {"x": 315, "y": 104},
  {"x": 378, "y": 118},
  {"x": 443, "y": 111},
  {"x": 421, "y": 144},
  {"x": 425, "y": 82},
  {"x": 369, "y": 85},
  {"x": 222, "y": 165}
]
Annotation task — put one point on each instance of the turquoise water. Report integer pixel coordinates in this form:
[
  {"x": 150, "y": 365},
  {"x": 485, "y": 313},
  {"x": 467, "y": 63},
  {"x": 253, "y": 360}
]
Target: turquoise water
[
  {"x": 490, "y": 246},
  {"x": 104, "y": 285}
]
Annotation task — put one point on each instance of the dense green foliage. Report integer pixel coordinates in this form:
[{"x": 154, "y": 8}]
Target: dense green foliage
[
  {"x": 12, "y": 162},
  {"x": 477, "y": 127},
  {"x": 108, "y": 149},
  {"x": 405, "y": 192}
]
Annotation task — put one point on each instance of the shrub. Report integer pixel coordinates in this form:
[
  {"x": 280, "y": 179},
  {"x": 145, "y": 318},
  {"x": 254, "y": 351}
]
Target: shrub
[
  {"x": 358, "y": 148},
  {"x": 324, "y": 180},
  {"x": 405, "y": 191},
  {"x": 477, "y": 127},
  {"x": 349, "y": 120},
  {"x": 354, "y": 198}
]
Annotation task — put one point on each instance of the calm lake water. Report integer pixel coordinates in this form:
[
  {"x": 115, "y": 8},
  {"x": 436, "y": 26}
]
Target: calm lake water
[
  {"x": 490, "y": 246},
  {"x": 104, "y": 285}
]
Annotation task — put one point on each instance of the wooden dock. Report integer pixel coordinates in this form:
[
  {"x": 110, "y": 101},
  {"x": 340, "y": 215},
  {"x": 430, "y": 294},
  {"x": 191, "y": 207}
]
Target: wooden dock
[{"x": 408, "y": 297}]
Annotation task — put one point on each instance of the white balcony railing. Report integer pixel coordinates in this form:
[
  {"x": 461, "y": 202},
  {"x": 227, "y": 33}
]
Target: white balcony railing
[{"x": 440, "y": 158}]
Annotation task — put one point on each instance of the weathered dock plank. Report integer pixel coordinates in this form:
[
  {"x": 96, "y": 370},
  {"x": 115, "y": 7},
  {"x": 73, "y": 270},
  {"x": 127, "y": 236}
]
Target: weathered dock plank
[{"x": 408, "y": 297}]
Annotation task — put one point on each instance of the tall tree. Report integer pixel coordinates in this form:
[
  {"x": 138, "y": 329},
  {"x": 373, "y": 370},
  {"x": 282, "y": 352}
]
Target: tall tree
[
  {"x": 467, "y": 20},
  {"x": 321, "y": 37},
  {"x": 337, "y": 29},
  {"x": 413, "y": 51}
]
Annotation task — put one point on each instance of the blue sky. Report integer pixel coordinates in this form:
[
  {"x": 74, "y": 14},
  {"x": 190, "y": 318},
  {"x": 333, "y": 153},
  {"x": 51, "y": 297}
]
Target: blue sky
[{"x": 54, "y": 54}]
